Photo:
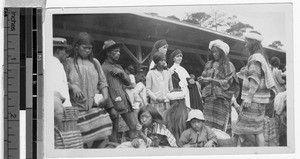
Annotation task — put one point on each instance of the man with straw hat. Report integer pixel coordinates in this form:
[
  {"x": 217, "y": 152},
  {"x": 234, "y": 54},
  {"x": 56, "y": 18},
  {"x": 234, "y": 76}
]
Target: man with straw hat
[{"x": 116, "y": 79}]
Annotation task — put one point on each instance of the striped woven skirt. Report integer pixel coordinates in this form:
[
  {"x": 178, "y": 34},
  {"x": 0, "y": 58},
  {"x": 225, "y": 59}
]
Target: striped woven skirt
[
  {"x": 217, "y": 113},
  {"x": 94, "y": 124},
  {"x": 251, "y": 120}
]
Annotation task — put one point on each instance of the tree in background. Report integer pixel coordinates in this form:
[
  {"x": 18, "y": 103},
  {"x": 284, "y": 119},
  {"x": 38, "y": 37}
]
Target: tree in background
[
  {"x": 173, "y": 17},
  {"x": 154, "y": 14},
  {"x": 238, "y": 29},
  {"x": 219, "y": 21},
  {"x": 276, "y": 44},
  {"x": 197, "y": 18}
]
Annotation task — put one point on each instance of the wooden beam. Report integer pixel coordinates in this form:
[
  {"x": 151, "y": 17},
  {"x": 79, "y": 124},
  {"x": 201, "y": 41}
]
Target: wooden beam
[
  {"x": 146, "y": 58},
  {"x": 139, "y": 52},
  {"x": 98, "y": 28},
  {"x": 139, "y": 56},
  {"x": 237, "y": 57},
  {"x": 101, "y": 37},
  {"x": 131, "y": 54},
  {"x": 200, "y": 60}
]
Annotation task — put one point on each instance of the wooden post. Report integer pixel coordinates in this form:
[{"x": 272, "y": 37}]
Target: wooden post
[{"x": 139, "y": 56}]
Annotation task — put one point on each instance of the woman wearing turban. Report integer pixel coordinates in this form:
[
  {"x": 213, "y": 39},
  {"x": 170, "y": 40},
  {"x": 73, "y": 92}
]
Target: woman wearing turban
[{"x": 220, "y": 83}]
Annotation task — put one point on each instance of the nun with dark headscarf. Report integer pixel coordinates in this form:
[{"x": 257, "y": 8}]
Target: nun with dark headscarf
[
  {"x": 175, "y": 60},
  {"x": 159, "y": 83}
]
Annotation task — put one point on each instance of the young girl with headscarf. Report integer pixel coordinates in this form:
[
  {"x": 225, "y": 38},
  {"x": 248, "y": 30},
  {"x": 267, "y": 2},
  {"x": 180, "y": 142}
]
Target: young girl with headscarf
[{"x": 159, "y": 83}]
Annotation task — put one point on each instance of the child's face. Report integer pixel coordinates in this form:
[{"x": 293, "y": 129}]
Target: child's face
[
  {"x": 196, "y": 124},
  {"x": 146, "y": 118}
]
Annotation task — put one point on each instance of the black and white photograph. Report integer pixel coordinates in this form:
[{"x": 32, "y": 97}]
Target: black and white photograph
[{"x": 168, "y": 80}]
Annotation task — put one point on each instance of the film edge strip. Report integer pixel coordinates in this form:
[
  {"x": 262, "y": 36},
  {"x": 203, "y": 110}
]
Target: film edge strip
[
  {"x": 23, "y": 81},
  {"x": 34, "y": 68},
  {"x": 11, "y": 83}
]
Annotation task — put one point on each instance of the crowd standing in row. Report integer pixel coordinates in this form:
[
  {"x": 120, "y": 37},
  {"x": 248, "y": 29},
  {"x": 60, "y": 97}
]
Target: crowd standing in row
[{"x": 95, "y": 101}]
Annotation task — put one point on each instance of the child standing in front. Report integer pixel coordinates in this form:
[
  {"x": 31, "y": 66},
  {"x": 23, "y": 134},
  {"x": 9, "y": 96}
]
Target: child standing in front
[{"x": 198, "y": 135}]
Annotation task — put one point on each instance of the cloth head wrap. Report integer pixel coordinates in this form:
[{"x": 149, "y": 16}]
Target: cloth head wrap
[
  {"x": 158, "y": 56},
  {"x": 220, "y": 44},
  {"x": 174, "y": 54},
  {"x": 254, "y": 35},
  {"x": 160, "y": 43}
]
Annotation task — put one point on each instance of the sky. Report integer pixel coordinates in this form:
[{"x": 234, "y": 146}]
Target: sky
[{"x": 268, "y": 19}]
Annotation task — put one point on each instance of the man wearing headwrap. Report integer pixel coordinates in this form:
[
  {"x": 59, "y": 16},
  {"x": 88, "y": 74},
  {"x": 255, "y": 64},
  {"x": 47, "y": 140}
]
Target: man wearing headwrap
[{"x": 220, "y": 83}]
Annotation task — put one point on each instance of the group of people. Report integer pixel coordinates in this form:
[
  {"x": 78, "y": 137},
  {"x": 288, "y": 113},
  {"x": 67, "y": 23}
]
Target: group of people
[{"x": 167, "y": 107}]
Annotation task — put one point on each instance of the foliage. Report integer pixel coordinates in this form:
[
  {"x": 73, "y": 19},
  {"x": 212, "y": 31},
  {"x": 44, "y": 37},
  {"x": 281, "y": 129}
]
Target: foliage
[
  {"x": 219, "y": 21},
  {"x": 173, "y": 17},
  {"x": 276, "y": 44},
  {"x": 238, "y": 29},
  {"x": 197, "y": 18}
]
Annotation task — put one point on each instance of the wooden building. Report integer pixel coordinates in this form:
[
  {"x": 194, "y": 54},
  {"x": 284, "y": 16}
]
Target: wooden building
[{"x": 139, "y": 32}]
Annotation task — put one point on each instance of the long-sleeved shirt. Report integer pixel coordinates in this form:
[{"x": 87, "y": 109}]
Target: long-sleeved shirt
[
  {"x": 190, "y": 136},
  {"x": 60, "y": 84},
  {"x": 261, "y": 79},
  {"x": 140, "y": 93},
  {"x": 226, "y": 80},
  {"x": 158, "y": 84},
  {"x": 88, "y": 76}
]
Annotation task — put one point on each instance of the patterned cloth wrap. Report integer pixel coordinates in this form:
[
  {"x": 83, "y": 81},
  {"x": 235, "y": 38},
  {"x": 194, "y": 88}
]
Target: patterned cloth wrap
[
  {"x": 271, "y": 131},
  {"x": 224, "y": 140},
  {"x": 94, "y": 124},
  {"x": 68, "y": 136}
]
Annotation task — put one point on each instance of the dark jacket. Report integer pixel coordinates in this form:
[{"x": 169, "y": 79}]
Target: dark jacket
[{"x": 119, "y": 99}]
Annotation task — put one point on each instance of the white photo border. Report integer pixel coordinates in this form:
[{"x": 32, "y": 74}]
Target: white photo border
[{"x": 48, "y": 98}]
